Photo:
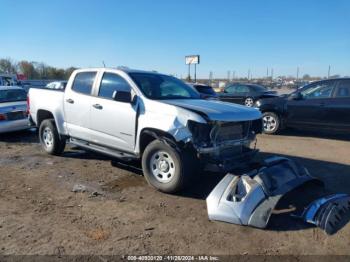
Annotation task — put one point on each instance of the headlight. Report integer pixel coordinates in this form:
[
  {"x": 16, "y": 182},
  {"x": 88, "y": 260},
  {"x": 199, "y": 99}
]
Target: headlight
[{"x": 257, "y": 103}]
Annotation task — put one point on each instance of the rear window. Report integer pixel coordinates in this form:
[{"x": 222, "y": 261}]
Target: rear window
[
  {"x": 343, "y": 89},
  {"x": 83, "y": 82},
  {"x": 205, "y": 89},
  {"x": 12, "y": 95}
]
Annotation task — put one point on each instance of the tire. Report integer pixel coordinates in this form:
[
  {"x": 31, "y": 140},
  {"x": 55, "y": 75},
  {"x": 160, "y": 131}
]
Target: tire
[
  {"x": 249, "y": 101},
  {"x": 271, "y": 123},
  {"x": 49, "y": 138},
  {"x": 165, "y": 168}
]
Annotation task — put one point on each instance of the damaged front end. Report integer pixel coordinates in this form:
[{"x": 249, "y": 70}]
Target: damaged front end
[{"x": 223, "y": 146}]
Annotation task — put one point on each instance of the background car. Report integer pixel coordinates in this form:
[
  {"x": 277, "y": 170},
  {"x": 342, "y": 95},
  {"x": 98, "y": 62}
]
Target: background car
[
  {"x": 206, "y": 91},
  {"x": 58, "y": 85},
  {"x": 246, "y": 94},
  {"x": 320, "y": 105},
  {"x": 13, "y": 109}
]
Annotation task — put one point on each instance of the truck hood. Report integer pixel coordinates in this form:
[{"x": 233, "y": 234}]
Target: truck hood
[{"x": 216, "y": 110}]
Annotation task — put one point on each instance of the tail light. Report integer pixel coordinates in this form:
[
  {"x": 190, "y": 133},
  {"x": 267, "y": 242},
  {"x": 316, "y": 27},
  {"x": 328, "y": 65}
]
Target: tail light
[
  {"x": 28, "y": 105},
  {"x": 2, "y": 117}
]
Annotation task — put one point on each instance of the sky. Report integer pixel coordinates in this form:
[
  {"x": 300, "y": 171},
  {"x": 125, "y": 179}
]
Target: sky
[{"x": 235, "y": 35}]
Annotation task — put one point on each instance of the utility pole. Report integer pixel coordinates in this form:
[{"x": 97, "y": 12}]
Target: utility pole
[
  {"x": 248, "y": 74},
  {"x": 233, "y": 75},
  {"x": 228, "y": 75},
  {"x": 267, "y": 73},
  {"x": 297, "y": 73},
  {"x": 210, "y": 77},
  {"x": 195, "y": 73},
  {"x": 189, "y": 72},
  {"x": 329, "y": 71},
  {"x": 271, "y": 73}
]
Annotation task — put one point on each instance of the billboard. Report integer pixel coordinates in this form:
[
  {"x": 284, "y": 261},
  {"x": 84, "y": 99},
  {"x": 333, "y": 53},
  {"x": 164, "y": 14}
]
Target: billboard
[{"x": 192, "y": 59}]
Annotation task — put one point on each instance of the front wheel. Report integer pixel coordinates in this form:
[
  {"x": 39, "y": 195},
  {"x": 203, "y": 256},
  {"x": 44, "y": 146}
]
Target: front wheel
[
  {"x": 271, "y": 123},
  {"x": 50, "y": 140},
  {"x": 165, "y": 168}
]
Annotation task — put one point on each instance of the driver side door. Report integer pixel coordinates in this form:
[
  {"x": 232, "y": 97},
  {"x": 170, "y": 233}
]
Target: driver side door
[{"x": 112, "y": 122}]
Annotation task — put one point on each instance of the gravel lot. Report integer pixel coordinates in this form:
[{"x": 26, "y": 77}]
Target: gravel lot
[{"x": 120, "y": 214}]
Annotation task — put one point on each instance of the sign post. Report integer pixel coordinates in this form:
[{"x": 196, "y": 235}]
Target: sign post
[{"x": 189, "y": 60}]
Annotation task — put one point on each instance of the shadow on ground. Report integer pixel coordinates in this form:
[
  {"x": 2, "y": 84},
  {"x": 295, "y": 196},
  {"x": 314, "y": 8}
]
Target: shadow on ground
[
  {"x": 26, "y": 136},
  {"x": 313, "y": 133}
]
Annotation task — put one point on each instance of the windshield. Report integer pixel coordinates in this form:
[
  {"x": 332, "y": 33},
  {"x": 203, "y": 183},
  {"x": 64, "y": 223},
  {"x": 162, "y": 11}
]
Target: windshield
[
  {"x": 160, "y": 87},
  {"x": 12, "y": 95}
]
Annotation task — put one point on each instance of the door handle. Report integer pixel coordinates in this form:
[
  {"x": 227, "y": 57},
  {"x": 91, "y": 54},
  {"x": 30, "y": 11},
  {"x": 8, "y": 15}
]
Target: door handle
[
  {"x": 70, "y": 101},
  {"x": 97, "y": 106}
]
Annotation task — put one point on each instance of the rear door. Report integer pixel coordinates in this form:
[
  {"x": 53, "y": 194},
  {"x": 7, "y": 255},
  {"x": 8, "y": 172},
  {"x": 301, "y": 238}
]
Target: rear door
[
  {"x": 77, "y": 105},
  {"x": 338, "y": 109},
  {"x": 311, "y": 111},
  {"x": 113, "y": 123}
]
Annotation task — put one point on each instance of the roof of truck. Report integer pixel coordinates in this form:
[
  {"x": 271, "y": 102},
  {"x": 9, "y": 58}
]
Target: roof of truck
[
  {"x": 10, "y": 87},
  {"x": 124, "y": 69}
]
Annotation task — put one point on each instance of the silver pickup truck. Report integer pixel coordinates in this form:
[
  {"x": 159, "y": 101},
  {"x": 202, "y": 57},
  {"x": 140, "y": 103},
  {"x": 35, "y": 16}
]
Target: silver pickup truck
[{"x": 157, "y": 118}]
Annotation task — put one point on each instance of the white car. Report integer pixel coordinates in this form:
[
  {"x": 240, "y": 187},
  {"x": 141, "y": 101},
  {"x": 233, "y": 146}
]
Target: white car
[
  {"x": 13, "y": 109},
  {"x": 58, "y": 85}
]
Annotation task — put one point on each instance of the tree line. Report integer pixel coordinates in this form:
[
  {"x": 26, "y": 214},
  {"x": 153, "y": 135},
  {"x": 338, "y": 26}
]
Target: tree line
[{"x": 34, "y": 70}]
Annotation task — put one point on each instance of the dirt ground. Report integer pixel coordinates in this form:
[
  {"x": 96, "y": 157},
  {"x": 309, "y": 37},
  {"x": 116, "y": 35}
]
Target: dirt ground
[{"x": 120, "y": 214}]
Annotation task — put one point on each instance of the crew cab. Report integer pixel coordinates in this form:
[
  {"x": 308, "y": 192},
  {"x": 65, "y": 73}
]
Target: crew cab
[
  {"x": 157, "y": 118},
  {"x": 320, "y": 105}
]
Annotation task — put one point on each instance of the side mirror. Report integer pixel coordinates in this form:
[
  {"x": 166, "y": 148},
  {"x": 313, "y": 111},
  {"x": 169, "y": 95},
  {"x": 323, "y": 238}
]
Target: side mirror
[
  {"x": 296, "y": 96},
  {"x": 122, "y": 96}
]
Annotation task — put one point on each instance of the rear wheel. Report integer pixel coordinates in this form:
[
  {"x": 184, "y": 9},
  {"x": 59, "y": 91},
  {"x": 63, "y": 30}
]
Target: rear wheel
[
  {"x": 271, "y": 123},
  {"x": 165, "y": 168},
  {"x": 50, "y": 140}
]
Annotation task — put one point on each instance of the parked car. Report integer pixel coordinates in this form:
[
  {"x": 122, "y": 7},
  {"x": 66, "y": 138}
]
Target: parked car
[
  {"x": 246, "y": 94},
  {"x": 8, "y": 80},
  {"x": 13, "y": 109},
  {"x": 320, "y": 105},
  {"x": 206, "y": 91},
  {"x": 59, "y": 85},
  {"x": 157, "y": 118}
]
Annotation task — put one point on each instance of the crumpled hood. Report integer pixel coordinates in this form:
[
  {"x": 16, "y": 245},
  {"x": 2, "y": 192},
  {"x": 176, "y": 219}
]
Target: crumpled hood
[{"x": 217, "y": 110}]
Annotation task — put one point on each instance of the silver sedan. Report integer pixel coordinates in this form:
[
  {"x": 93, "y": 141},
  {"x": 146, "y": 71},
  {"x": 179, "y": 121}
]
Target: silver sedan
[{"x": 13, "y": 109}]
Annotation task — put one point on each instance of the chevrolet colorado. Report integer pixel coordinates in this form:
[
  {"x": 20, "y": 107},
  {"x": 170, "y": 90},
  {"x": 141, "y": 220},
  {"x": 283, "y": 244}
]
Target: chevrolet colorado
[{"x": 132, "y": 114}]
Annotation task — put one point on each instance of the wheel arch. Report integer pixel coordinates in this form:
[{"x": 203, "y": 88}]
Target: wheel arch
[{"x": 147, "y": 135}]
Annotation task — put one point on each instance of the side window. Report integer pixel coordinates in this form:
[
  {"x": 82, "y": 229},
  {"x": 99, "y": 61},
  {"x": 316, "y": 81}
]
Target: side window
[
  {"x": 242, "y": 89},
  {"x": 231, "y": 89},
  {"x": 343, "y": 89},
  {"x": 319, "y": 90},
  {"x": 83, "y": 82},
  {"x": 110, "y": 83}
]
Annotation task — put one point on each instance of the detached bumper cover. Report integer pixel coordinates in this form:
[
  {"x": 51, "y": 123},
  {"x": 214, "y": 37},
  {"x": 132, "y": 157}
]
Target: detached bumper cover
[
  {"x": 329, "y": 213},
  {"x": 250, "y": 199}
]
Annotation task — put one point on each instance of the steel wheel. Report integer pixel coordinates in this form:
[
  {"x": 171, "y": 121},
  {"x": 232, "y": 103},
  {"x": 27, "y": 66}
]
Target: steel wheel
[
  {"x": 270, "y": 123},
  {"x": 47, "y": 137},
  {"x": 162, "y": 166},
  {"x": 249, "y": 102}
]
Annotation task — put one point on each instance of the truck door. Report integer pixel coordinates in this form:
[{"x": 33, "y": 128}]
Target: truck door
[
  {"x": 112, "y": 122},
  {"x": 77, "y": 105}
]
